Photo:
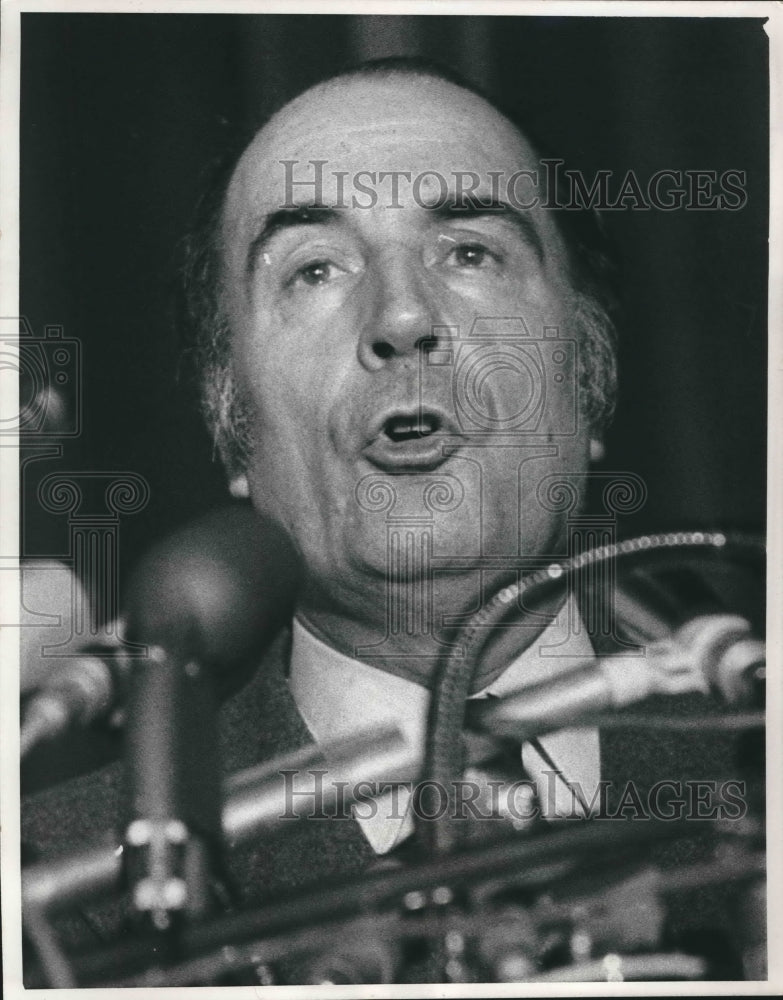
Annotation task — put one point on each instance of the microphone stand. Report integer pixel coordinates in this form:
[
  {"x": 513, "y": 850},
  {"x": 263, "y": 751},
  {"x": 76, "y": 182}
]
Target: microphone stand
[{"x": 173, "y": 788}]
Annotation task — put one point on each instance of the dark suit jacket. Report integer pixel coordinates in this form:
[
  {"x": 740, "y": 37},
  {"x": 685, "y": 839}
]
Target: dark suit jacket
[{"x": 261, "y": 721}]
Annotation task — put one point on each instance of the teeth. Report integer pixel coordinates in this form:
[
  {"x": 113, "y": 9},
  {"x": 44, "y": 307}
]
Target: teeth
[{"x": 410, "y": 428}]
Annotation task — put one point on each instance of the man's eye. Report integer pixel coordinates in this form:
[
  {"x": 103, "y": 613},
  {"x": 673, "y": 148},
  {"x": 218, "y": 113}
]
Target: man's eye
[
  {"x": 471, "y": 255},
  {"x": 316, "y": 273}
]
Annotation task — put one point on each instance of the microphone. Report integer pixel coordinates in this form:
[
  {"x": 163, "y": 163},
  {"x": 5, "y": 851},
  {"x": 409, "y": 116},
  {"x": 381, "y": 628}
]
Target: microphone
[
  {"x": 49, "y": 591},
  {"x": 710, "y": 652},
  {"x": 60, "y": 689},
  {"x": 78, "y": 691},
  {"x": 221, "y": 586},
  {"x": 206, "y": 602},
  {"x": 218, "y": 589}
]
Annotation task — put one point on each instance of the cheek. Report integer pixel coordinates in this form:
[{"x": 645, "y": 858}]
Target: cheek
[{"x": 280, "y": 374}]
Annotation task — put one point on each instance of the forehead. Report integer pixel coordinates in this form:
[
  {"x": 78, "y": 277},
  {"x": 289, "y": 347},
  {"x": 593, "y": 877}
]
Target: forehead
[{"x": 357, "y": 125}]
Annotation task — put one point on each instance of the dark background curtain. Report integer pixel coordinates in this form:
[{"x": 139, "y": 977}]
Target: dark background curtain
[{"x": 122, "y": 113}]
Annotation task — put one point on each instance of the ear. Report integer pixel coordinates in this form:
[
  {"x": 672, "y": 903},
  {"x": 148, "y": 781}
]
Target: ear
[
  {"x": 597, "y": 450},
  {"x": 238, "y": 486}
]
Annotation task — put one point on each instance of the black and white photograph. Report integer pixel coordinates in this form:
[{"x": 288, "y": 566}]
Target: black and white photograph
[{"x": 388, "y": 457}]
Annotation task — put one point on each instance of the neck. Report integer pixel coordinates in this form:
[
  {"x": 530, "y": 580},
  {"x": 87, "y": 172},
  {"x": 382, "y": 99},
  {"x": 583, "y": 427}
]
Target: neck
[{"x": 403, "y": 628}]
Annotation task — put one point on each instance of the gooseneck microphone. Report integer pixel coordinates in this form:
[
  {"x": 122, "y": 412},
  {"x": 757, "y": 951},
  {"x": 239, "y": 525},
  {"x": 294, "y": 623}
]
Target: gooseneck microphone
[
  {"x": 205, "y": 603},
  {"x": 715, "y": 653}
]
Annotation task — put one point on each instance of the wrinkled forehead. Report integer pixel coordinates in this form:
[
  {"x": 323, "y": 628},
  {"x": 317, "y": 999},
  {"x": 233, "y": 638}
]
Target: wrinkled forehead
[{"x": 355, "y": 127}]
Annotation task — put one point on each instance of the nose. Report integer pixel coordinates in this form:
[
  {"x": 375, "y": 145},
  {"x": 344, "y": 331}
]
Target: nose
[{"x": 400, "y": 317}]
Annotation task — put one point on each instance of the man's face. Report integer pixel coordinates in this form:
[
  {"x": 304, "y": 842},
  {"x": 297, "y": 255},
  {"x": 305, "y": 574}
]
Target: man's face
[{"x": 341, "y": 321}]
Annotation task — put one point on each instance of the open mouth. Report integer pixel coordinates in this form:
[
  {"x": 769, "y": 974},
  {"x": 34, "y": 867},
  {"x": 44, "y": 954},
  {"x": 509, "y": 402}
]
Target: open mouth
[
  {"x": 400, "y": 428},
  {"x": 412, "y": 440}
]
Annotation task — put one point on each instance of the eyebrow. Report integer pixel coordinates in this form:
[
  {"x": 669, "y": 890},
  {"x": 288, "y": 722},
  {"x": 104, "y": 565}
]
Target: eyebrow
[
  {"x": 454, "y": 212},
  {"x": 317, "y": 214},
  {"x": 286, "y": 218}
]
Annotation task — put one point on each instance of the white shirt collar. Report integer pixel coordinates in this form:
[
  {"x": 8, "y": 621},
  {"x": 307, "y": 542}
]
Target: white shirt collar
[{"x": 338, "y": 697}]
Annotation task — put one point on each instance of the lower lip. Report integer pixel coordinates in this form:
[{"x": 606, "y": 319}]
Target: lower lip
[{"x": 415, "y": 455}]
